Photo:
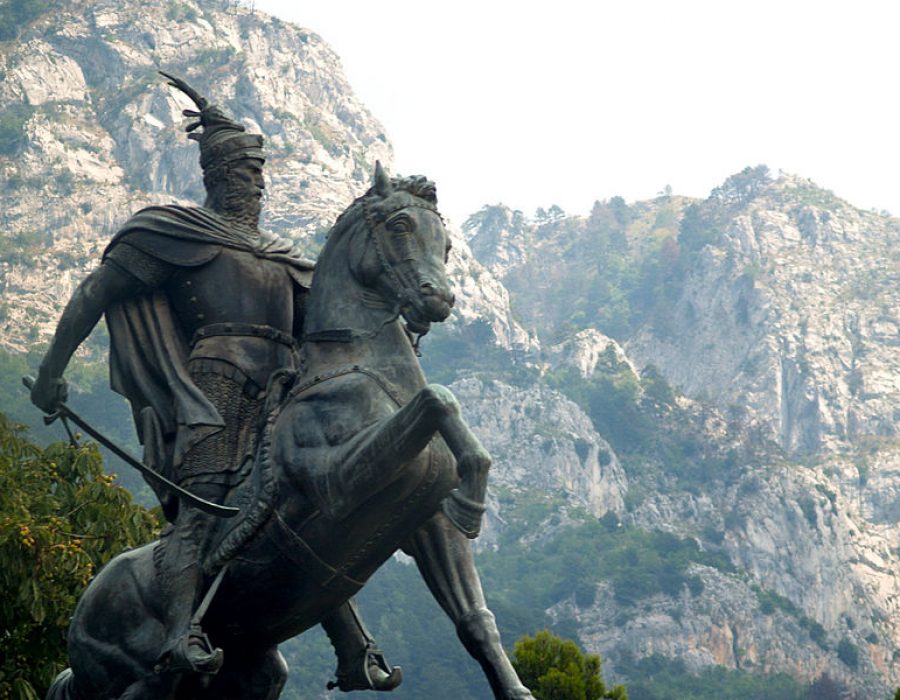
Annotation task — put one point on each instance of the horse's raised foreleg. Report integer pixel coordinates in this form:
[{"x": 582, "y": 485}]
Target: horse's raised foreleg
[
  {"x": 380, "y": 456},
  {"x": 445, "y": 561}
]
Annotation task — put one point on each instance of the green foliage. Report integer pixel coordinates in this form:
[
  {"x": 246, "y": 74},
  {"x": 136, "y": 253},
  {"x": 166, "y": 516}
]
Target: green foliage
[
  {"x": 556, "y": 669},
  {"x": 12, "y": 121},
  {"x": 413, "y": 632},
  {"x": 62, "y": 518},
  {"x": 769, "y": 602},
  {"x": 694, "y": 231},
  {"x": 611, "y": 399},
  {"x": 15, "y": 15},
  {"x": 89, "y": 394},
  {"x": 645, "y": 425},
  {"x": 741, "y": 188},
  {"x": 180, "y": 12},
  {"x": 658, "y": 678},
  {"x": 848, "y": 653},
  {"x": 638, "y": 564},
  {"x": 446, "y": 353}
]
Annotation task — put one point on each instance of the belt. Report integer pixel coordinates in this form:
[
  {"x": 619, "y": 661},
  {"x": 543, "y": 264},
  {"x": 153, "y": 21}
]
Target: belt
[{"x": 252, "y": 330}]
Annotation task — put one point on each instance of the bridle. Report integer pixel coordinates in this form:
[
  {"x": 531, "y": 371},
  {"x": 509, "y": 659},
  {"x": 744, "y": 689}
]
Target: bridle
[{"x": 403, "y": 280}]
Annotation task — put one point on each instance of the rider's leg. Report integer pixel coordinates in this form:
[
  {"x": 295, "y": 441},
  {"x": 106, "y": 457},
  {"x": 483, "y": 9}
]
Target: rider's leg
[
  {"x": 187, "y": 648},
  {"x": 361, "y": 664},
  {"x": 445, "y": 561}
]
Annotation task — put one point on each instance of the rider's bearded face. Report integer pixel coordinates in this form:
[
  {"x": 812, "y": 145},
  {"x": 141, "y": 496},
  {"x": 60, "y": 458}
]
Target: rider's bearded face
[{"x": 242, "y": 190}]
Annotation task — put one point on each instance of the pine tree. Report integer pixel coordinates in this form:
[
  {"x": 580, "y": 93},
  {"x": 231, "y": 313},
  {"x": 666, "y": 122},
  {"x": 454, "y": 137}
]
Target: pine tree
[{"x": 556, "y": 669}]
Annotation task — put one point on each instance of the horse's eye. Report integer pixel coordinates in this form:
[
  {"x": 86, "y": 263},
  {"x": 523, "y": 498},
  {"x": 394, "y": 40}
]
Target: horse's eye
[{"x": 400, "y": 225}]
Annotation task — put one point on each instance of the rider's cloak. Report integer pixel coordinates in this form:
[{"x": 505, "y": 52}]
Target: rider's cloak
[{"x": 148, "y": 351}]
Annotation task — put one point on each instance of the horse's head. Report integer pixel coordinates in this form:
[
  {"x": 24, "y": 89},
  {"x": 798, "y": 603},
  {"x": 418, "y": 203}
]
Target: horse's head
[{"x": 408, "y": 247}]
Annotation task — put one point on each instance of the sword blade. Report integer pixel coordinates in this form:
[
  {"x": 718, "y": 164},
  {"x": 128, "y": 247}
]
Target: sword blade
[{"x": 190, "y": 498}]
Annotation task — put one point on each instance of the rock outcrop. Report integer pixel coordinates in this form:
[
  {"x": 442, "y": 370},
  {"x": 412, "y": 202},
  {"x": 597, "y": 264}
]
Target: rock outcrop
[
  {"x": 772, "y": 308},
  {"x": 793, "y": 315}
]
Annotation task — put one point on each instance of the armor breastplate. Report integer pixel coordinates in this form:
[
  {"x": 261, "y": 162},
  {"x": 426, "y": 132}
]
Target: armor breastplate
[{"x": 238, "y": 308}]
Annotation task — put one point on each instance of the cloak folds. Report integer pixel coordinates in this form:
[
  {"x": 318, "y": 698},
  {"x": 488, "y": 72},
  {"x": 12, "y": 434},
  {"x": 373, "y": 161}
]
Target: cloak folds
[{"x": 148, "y": 351}]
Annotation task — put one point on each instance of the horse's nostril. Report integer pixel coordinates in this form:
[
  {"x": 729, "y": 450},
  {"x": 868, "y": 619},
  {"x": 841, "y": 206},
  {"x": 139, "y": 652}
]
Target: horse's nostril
[
  {"x": 427, "y": 289},
  {"x": 452, "y": 299}
]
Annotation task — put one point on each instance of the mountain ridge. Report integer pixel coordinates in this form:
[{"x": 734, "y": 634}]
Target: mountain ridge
[{"x": 722, "y": 371}]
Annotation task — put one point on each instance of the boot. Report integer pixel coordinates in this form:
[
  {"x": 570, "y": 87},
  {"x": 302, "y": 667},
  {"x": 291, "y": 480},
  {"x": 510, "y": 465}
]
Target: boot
[
  {"x": 370, "y": 672},
  {"x": 191, "y": 652}
]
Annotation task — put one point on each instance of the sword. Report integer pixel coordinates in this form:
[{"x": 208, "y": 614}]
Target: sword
[{"x": 64, "y": 412}]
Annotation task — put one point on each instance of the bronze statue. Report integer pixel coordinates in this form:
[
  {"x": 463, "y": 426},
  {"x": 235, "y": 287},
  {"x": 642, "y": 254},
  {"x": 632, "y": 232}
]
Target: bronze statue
[
  {"x": 336, "y": 460},
  {"x": 202, "y": 306}
]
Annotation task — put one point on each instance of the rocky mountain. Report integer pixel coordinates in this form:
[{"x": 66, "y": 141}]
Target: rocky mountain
[
  {"x": 692, "y": 405},
  {"x": 771, "y": 308}
]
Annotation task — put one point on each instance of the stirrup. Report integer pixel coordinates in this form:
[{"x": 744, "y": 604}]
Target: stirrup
[
  {"x": 464, "y": 513},
  {"x": 192, "y": 652},
  {"x": 374, "y": 673}
]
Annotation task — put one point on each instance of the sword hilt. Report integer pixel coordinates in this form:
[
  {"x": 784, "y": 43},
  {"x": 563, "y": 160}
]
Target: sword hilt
[{"x": 49, "y": 418}]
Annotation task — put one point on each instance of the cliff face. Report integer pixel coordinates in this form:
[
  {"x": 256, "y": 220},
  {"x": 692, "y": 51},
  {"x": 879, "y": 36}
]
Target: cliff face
[
  {"x": 793, "y": 315},
  {"x": 725, "y": 370},
  {"x": 772, "y": 307}
]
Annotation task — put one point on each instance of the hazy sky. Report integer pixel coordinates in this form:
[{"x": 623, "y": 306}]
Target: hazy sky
[{"x": 560, "y": 102}]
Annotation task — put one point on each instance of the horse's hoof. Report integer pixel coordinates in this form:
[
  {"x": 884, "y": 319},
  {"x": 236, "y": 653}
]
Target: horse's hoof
[{"x": 464, "y": 513}]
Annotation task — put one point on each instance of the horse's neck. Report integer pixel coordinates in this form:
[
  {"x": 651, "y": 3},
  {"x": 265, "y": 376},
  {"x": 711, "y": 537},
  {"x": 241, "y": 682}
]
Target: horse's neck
[
  {"x": 341, "y": 329},
  {"x": 389, "y": 354}
]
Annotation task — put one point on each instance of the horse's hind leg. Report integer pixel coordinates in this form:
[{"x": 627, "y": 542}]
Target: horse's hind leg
[
  {"x": 152, "y": 687},
  {"x": 247, "y": 675},
  {"x": 445, "y": 561}
]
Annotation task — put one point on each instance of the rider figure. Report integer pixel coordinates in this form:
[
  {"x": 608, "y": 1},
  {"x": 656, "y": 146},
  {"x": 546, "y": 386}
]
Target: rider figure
[{"x": 202, "y": 307}]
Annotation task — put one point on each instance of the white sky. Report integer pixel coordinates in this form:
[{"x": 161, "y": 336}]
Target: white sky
[{"x": 564, "y": 102}]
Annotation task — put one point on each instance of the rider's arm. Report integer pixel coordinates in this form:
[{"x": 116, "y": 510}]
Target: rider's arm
[{"x": 117, "y": 279}]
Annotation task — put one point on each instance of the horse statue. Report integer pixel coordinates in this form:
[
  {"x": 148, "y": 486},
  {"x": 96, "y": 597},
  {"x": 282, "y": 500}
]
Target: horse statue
[{"x": 357, "y": 458}]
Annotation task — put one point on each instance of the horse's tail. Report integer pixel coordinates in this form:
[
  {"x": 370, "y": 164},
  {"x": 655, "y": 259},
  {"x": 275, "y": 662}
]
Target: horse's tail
[{"x": 63, "y": 687}]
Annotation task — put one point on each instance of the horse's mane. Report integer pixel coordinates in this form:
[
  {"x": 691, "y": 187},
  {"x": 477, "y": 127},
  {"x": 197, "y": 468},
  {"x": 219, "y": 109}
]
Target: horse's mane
[{"x": 416, "y": 186}]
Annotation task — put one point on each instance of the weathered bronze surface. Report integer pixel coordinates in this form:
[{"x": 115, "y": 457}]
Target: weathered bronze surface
[{"x": 301, "y": 401}]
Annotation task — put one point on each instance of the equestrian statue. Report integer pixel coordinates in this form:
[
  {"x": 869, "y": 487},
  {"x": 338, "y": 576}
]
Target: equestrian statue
[{"x": 292, "y": 396}]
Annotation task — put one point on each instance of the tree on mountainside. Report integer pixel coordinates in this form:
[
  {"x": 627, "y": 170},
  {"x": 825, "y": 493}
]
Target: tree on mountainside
[
  {"x": 15, "y": 15},
  {"x": 61, "y": 519},
  {"x": 556, "y": 669},
  {"x": 742, "y": 187}
]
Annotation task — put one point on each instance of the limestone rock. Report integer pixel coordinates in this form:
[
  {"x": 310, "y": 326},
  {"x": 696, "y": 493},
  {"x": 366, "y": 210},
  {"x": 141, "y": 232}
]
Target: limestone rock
[{"x": 541, "y": 443}]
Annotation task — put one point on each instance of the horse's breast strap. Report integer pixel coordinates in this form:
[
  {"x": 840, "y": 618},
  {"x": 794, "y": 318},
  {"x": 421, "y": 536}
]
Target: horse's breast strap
[{"x": 385, "y": 385}]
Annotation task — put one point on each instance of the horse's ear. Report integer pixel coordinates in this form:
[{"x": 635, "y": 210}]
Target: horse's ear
[{"x": 382, "y": 183}]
